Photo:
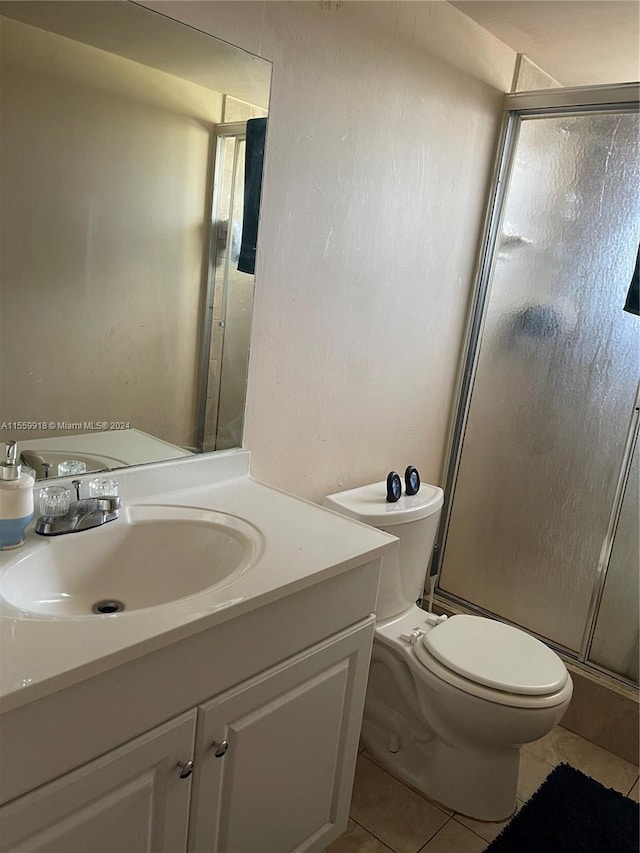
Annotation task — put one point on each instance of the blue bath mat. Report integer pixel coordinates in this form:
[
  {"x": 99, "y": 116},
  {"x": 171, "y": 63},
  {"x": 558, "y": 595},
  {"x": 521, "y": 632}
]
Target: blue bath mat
[{"x": 571, "y": 813}]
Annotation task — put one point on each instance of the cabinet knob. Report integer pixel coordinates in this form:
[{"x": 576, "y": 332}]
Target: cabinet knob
[
  {"x": 220, "y": 747},
  {"x": 186, "y": 768}
]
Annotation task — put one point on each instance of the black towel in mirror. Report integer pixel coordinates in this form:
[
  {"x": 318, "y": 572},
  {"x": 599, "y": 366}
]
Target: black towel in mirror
[{"x": 254, "y": 157}]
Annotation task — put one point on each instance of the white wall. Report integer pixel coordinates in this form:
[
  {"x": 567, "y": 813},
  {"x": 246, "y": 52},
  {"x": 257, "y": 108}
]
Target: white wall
[{"x": 378, "y": 162}]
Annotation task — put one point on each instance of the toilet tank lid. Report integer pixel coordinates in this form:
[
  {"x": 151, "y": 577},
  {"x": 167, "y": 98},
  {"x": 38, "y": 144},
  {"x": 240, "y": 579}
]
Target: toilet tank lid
[
  {"x": 496, "y": 655},
  {"x": 369, "y": 504}
]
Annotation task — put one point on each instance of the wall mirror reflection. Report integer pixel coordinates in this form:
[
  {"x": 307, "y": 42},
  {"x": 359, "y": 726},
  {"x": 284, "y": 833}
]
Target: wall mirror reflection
[{"x": 124, "y": 319}]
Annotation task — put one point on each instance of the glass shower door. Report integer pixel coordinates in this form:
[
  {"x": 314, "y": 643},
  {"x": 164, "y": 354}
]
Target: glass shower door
[{"x": 555, "y": 382}]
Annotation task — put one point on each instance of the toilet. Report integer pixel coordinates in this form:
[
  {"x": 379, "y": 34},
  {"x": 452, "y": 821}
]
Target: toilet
[{"x": 450, "y": 701}]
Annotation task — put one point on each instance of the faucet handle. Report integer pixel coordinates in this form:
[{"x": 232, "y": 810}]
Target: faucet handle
[
  {"x": 71, "y": 466},
  {"x": 103, "y": 487},
  {"x": 54, "y": 500}
]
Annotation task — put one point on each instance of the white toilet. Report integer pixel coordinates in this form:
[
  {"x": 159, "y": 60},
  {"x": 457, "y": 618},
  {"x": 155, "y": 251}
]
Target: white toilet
[{"x": 449, "y": 701}]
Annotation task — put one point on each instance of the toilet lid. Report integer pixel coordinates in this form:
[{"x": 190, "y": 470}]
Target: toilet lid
[{"x": 497, "y": 655}]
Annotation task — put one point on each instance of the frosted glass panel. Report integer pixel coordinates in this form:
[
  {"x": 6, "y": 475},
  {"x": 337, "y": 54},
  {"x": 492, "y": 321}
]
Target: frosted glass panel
[
  {"x": 556, "y": 379},
  {"x": 615, "y": 641}
]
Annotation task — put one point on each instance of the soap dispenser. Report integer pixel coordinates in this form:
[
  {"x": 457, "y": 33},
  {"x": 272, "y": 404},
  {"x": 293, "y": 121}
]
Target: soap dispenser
[{"x": 16, "y": 499}]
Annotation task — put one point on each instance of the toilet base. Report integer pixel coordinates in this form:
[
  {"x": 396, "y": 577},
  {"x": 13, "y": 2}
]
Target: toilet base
[
  {"x": 460, "y": 749},
  {"x": 480, "y": 784}
]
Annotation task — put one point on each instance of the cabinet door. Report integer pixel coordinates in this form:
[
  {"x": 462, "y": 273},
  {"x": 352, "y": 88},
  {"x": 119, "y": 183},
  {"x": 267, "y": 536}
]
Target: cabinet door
[
  {"x": 284, "y": 782},
  {"x": 131, "y": 800}
]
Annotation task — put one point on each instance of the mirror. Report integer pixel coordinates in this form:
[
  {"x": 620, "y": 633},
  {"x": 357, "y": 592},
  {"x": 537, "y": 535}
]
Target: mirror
[{"x": 124, "y": 321}]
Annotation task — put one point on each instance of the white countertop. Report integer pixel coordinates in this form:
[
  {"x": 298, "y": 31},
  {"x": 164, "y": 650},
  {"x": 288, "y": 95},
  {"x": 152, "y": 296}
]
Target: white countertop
[{"x": 303, "y": 545}]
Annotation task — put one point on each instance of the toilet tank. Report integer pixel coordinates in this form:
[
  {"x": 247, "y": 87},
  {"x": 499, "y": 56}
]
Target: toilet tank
[{"x": 414, "y": 520}]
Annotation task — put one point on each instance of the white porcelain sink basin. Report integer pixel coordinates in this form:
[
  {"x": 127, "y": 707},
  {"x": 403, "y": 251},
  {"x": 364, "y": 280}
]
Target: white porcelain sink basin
[{"x": 151, "y": 556}]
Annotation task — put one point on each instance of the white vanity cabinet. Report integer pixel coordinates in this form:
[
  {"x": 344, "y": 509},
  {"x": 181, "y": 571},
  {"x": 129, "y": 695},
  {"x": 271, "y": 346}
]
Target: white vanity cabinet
[
  {"x": 131, "y": 800},
  {"x": 275, "y": 756},
  {"x": 273, "y": 763}
]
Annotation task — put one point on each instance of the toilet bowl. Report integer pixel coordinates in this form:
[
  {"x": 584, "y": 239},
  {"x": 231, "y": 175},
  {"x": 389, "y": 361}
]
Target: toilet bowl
[
  {"x": 456, "y": 739},
  {"x": 449, "y": 701}
]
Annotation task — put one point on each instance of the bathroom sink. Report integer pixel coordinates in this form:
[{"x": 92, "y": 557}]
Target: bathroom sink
[{"x": 152, "y": 556}]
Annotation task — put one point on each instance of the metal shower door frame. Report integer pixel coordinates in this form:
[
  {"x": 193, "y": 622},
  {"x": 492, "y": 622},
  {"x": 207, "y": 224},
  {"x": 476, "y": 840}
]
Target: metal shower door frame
[
  {"x": 540, "y": 104},
  {"x": 222, "y": 132}
]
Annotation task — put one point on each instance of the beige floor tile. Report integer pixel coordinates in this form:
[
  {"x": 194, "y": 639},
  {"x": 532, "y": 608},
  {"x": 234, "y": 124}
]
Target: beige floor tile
[
  {"x": 357, "y": 840},
  {"x": 390, "y": 811},
  {"x": 442, "y": 807},
  {"x": 562, "y": 745},
  {"x": 485, "y": 829},
  {"x": 455, "y": 838},
  {"x": 533, "y": 772},
  {"x": 634, "y": 793}
]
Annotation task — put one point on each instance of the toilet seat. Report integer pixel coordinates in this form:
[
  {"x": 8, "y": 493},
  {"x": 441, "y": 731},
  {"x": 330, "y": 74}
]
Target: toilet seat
[
  {"x": 495, "y": 662},
  {"x": 496, "y": 655},
  {"x": 425, "y": 665},
  {"x": 425, "y": 661}
]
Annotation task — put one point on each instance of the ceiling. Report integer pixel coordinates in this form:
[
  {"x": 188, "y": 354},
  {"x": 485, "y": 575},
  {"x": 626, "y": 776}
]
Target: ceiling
[{"x": 578, "y": 42}]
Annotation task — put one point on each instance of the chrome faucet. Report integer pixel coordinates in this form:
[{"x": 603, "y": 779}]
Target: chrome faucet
[{"x": 83, "y": 514}]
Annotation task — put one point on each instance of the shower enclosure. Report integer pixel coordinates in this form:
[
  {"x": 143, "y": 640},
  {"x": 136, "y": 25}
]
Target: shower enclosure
[{"x": 540, "y": 526}]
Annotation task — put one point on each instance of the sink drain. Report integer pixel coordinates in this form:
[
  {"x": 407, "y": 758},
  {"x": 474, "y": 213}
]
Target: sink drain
[{"x": 109, "y": 605}]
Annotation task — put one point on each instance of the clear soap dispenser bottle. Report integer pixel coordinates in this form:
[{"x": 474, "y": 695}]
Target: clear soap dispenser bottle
[{"x": 16, "y": 499}]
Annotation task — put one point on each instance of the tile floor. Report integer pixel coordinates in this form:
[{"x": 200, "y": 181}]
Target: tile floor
[{"x": 390, "y": 817}]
